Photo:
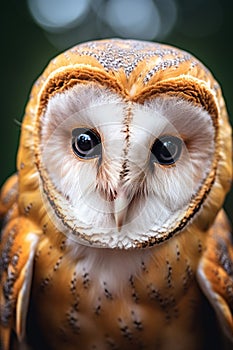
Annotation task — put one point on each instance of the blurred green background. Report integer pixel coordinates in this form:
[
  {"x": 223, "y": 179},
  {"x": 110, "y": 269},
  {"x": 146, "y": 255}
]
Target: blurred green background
[{"x": 34, "y": 31}]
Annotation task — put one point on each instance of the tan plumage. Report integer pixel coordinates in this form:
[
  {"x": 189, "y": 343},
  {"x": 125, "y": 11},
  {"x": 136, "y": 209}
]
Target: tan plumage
[{"x": 114, "y": 251}]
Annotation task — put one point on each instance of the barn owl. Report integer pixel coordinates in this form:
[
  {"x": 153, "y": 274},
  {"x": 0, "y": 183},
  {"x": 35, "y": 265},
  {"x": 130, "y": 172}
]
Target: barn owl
[{"x": 113, "y": 233}]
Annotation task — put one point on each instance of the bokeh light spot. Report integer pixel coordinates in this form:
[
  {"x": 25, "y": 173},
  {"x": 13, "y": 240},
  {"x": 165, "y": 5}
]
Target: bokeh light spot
[
  {"x": 58, "y": 15},
  {"x": 136, "y": 19}
]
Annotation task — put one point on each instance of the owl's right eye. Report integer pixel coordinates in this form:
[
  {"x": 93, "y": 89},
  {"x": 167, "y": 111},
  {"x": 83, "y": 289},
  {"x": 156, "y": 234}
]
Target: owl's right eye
[{"x": 86, "y": 143}]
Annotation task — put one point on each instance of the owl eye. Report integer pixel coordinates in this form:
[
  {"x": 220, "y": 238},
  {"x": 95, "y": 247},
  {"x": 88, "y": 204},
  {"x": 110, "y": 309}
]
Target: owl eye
[
  {"x": 167, "y": 150},
  {"x": 86, "y": 143}
]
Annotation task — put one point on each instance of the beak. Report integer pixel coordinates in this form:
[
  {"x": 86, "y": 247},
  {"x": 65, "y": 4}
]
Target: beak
[{"x": 121, "y": 204}]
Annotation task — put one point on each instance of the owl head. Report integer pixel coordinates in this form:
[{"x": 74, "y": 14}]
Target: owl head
[{"x": 130, "y": 142}]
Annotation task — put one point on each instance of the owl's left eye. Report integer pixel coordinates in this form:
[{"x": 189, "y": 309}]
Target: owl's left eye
[
  {"x": 167, "y": 150},
  {"x": 86, "y": 143}
]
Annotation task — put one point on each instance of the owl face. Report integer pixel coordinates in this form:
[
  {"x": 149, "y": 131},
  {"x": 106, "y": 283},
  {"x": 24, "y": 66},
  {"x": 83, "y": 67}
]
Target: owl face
[{"x": 124, "y": 161}]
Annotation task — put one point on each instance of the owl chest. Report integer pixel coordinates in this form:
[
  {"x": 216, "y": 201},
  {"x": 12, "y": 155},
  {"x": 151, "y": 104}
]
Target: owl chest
[{"x": 77, "y": 308}]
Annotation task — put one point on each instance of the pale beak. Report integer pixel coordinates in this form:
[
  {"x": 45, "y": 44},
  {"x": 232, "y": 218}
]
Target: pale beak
[{"x": 121, "y": 204}]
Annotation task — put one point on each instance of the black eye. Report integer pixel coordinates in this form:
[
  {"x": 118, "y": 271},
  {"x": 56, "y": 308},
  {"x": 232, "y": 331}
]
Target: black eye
[
  {"x": 166, "y": 150},
  {"x": 86, "y": 143}
]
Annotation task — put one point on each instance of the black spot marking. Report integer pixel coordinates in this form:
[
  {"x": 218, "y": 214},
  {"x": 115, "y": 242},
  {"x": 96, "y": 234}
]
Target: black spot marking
[
  {"x": 177, "y": 252},
  {"x": 143, "y": 266},
  {"x": 50, "y": 249},
  {"x": 75, "y": 295},
  {"x": 188, "y": 277},
  {"x": 75, "y": 306},
  {"x": 200, "y": 247},
  {"x": 45, "y": 283},
  {"x": 63, "y": 245},
  {"x": 153, "y": 293},
  {"x": 44, "y": 228},
  {"x": 169, "y": 274},
  {"x": 57, "y": 265},
  {"x": 98, "y": 307},
  {"x": 107, "y": 293},
  {"x": 125, "y": 331},
  {"x": 133, "y": 293},
  {"x": 86, "y": 279},
  {"x": 136, "y": 322},
  {"x": 167, "y": 303},
  {"x": 27, "y": 209},
  {"x": 72, "y": 321},
  {"x": 73, "y": 283}
]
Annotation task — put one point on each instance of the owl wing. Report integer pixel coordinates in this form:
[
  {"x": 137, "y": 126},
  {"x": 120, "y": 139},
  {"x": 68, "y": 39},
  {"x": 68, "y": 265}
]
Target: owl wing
[
  {"x": 17, "y": 250},
  {"x": 215, "y": 272}
]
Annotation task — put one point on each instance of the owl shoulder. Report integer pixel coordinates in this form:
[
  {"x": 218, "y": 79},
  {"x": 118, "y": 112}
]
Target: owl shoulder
[{"x": 215, "y": 272}]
